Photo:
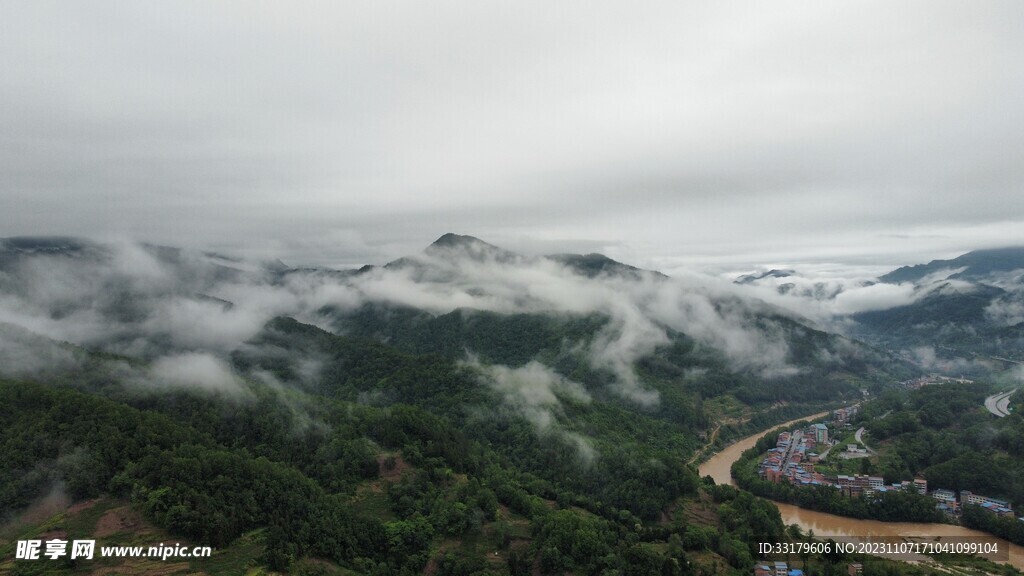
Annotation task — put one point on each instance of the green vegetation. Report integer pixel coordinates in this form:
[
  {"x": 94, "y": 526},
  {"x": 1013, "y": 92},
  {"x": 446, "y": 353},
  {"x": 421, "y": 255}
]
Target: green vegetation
[
  {"x": 468, "y": 442},
  {"x": 339, "y": 470},
  {"x": 1007, "y": 527},
  {"x": 944, "y": 434},
  {"x": 399, "y": 455},
  {"x": 833, "y": 369}
]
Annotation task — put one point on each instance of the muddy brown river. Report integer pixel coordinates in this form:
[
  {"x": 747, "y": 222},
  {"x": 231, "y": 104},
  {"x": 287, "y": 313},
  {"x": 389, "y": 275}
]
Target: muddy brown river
[{"x": 831, "y": 525}]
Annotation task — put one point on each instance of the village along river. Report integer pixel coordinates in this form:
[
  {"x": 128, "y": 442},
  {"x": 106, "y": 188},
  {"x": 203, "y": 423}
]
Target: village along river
[{"x": 718, "y": 467}]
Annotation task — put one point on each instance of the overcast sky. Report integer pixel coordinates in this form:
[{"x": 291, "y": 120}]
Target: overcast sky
[{"x": 665, "y": 134}]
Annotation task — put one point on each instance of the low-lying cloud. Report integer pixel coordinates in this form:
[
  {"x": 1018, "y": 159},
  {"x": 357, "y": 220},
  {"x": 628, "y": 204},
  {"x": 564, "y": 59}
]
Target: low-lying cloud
[
  {"x": 829, "y": 298},
  {"x": 195, "y": 370},
  {"x": 24, "y": 354},
  {"x": 190, "y": 309},
  {"x": 640, "y": 308},
  {"x": 536, "y": 392},
  {"x": 1007, "y": 311},
  {"x": 927, "y": 358},
  {"x": 874, "y": 297}
]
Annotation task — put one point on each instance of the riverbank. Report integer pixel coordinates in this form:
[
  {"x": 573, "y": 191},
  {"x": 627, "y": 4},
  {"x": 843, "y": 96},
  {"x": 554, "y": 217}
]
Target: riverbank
[
  {"x": 705, "y": 453},
  {"x": 825, "y": 525},
  {"x": 719, "y": 466}
]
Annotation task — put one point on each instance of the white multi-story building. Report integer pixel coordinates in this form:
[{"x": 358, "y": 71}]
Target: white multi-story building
[
  {"x": 921, "y": 485},
  {"x": 968, "y": 497}
]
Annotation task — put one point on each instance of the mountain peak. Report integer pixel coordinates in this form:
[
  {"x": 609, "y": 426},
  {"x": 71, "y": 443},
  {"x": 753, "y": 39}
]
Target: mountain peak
[
  {"x": 455, "y": 245},
  {"x": 595, "y": 264},
  {"x": 773, "y": 273},
  {"x": 451, "y": 240}
]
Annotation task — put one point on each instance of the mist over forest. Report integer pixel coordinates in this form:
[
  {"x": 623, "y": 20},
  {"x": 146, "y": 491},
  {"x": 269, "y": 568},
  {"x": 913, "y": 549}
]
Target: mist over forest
[
  {"x": 470, "y": 387},
  {"x": 185, "y": 312}
]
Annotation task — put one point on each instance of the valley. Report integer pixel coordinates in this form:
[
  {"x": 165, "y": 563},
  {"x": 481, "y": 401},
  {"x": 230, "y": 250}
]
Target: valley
[{"x": 461, "y": 410}]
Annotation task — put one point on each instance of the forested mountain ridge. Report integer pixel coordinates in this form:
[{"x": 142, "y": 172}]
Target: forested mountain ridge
[
  {"x": 975, "y": 265},
  {"x": 313, "y": 475},
  {"x": 450, "y": 408},
  {"x": 963, "y": 315},
  {"x": 970, "y": 307}
]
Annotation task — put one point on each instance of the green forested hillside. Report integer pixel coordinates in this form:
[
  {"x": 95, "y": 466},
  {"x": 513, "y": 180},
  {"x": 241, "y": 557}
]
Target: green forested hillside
[
  {"x": 829, "y": 369},
  {"x": 954, "y": 323},
  {"x": 387, "y": 462},
  {"x": 944, "y": 434},
  {"x": 391, "y": 431}
]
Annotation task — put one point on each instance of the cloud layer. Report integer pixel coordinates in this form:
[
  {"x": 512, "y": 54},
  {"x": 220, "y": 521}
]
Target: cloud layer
[
  {"x": 667, "y": 135},
  {"x": 185, "y": 312}
]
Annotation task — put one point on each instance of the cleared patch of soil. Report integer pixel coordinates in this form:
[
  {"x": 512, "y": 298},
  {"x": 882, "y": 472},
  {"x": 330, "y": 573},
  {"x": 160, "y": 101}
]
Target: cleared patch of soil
[
  {"x": 701, "y": 512},
  {"x": 53, "y": 503},
  {"x": 122, "y": 519},
  {"x": 397, "y": 468},
  {"x": 85, "y": 505}
]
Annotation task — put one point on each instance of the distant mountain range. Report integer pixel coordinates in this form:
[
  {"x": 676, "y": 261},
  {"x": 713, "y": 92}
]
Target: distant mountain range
[
  {"x": 454, "y": 247},
  {"x": 454, "y": 409},
  {"x": 971, "y": 306},
  {"x": 773, "y": 273},
  {"x": 978, "y": 265}
]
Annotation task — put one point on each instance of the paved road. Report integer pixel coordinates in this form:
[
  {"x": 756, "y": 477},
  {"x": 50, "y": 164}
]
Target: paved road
[
  {"x": 856, "y": 436},
  {"x": 1004, "y": 404},
  {"x": 709, "y": 444},
  {"x": 793, "y": 441},
  {"x": 824, "y": 454},
  {"x": 999, "y": 404}
]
